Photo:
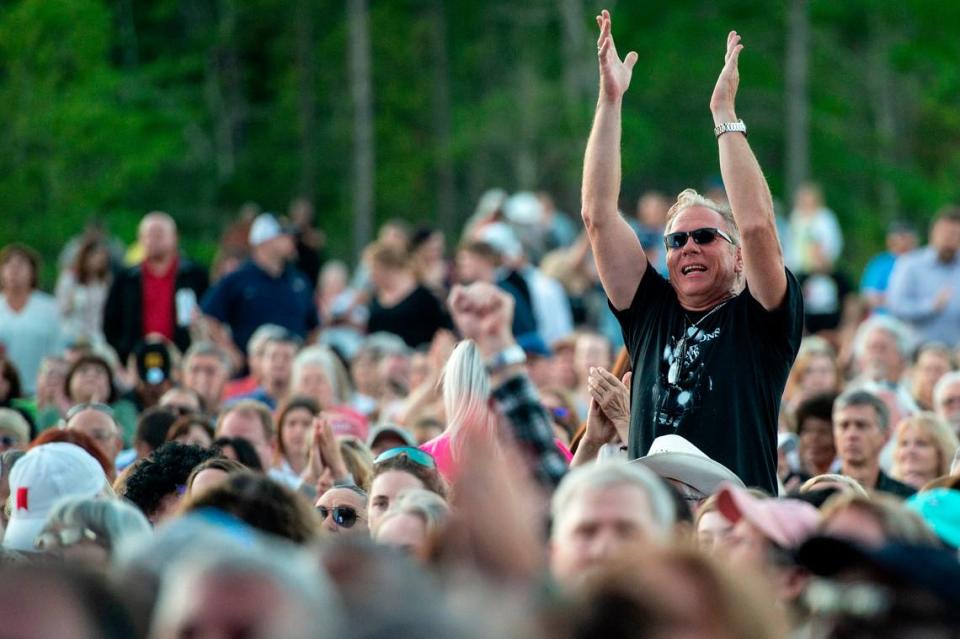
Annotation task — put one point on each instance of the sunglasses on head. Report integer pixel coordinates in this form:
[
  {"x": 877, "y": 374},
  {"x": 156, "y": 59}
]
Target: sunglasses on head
[
  {"x": 417, "y": 456},
  {"x": 343, "y": 516},
  {"x": 706, "y": 235}
]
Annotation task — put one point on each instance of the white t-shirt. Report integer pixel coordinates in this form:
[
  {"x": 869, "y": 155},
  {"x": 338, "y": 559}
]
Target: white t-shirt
[{"x": 30, "y": 335}]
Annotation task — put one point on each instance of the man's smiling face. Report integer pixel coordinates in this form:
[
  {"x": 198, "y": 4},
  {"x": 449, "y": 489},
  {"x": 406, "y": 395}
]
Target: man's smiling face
[{"x": 702, "y": 274}]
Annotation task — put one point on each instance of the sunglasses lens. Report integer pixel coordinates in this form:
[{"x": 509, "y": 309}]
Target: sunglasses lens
[
  {"x": 704, "y": 236},
  {"x": 415, "y": 455},
  {"x": 345, "y": 517},
  {"x": 676, "y": 240}
]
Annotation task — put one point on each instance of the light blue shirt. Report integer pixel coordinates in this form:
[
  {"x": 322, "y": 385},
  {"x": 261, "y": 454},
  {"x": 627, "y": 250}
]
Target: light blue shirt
[{"x": 916, "y": 280}]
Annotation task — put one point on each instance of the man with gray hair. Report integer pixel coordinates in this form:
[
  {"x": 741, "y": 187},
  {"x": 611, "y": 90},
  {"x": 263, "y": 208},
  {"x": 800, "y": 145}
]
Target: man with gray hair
[
  {"x": 946, "y": 399},
  {"x": 206, "y": 369},
  {"x": 712, "y": 346},
  {"x": 603, "y": 510},
  {"x": 861, "y": 427}
]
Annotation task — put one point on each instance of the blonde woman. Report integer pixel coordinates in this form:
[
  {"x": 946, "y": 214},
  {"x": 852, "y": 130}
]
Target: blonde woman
[{"x": 924, "y": 448}]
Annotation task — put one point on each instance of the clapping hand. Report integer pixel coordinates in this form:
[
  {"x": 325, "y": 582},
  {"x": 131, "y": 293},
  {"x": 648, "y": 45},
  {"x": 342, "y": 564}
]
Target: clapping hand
[
  {"x": 614, "y": 74},
  {"x": 722, "y": 102},
  {"x": 609, "y": 405}
]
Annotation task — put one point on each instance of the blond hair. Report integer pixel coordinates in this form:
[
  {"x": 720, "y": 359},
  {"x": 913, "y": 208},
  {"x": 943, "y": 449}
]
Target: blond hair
[
  {"x": 939, "y": 434},
  {"x": 899, "y": 524},
  {"x": 689, "y": 198}
]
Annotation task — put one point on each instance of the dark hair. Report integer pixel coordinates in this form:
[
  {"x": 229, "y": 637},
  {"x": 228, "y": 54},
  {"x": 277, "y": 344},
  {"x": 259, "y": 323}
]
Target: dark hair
[
  {"x": 246, "y": 453},
  {"x": 949, "y": 212},
  {"x": 819, "y": 406},
  {"x": 217, "y": 463},
  {"x": 291, "y": 404},
  {"x": 153, "y": 426},
  {"x": 89, "y": 246},
  {"x": 481, "y": 249},
  {"x": 429, "y": 477},
  {"x": 16, "y": 249},
  {"x": 78, "y": 438},
  {"x": 96, "y": 360},
  {"x": 262, "y": 503},
  {"x": 9, "y": 372},
  {"x": 184, "y": 423},
  {"x": 162, "y": 473}
]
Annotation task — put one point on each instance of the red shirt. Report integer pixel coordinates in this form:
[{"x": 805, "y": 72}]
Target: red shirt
[{"x": 158, "y": 294}]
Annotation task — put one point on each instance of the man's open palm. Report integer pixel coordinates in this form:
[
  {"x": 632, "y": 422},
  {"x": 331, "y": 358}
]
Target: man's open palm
[{"x": 614, "y": 74}]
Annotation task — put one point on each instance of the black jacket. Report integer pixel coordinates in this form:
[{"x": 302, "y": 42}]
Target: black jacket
[{"x": 123, "y": 312}]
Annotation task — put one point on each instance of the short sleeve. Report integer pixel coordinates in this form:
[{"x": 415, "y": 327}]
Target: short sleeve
[
  {"x": 784, "y": 324},
  {"x": 652, "y": 294},
  {"x": 216, "y": 301}
]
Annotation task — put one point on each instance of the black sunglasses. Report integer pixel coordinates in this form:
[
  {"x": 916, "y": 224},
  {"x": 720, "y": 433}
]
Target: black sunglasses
[
  {"x": 8, "y": 440},
  {"x": 343, "y": 516},
  {"x": 706, "y": 235}
]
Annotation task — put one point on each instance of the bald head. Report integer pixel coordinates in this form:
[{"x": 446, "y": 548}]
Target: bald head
[{"x": 157, "y": 234}]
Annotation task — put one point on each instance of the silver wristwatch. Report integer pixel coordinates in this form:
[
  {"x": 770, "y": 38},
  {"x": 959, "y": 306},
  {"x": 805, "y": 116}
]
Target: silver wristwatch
[{"x": 727, "y": 127}]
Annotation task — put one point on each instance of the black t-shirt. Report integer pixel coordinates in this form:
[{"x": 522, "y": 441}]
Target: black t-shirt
[
  {"x": 713, "y": 377},
  {"x": 415, "y": 318}
]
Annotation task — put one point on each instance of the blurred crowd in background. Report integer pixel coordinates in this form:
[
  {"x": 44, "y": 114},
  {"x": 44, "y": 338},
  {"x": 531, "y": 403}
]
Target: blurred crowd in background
[{"x": 285, "y": 445}]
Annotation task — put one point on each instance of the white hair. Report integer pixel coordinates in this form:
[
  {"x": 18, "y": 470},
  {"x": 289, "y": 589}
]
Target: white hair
[
  {"x": 466, "y": 396},
  {"x": 305, "y": 590},
  {"x": 940, "y": 390},
  {"x": 323, "y": 357},
  {"x": 901, "y": 333},
  {"x": 616, "y": 472},
  {"x": 113, "y": 520},
  {"x": 258, "y": 341}
]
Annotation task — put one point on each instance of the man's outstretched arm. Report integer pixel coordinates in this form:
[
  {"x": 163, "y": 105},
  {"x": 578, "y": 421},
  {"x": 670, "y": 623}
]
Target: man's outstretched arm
[
  {"x": 616, "y": 249},
  {"x": 747, "y": 191}
]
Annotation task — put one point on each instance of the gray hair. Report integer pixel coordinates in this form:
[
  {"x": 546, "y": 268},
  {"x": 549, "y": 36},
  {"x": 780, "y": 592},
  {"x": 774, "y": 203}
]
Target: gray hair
[
  {"x": 689, "y": 198},
  {"x": 112, "y": 520},
  {"x": 258, "y": 341},
  {"x": 323, "y": 357},
  {"x": 425, "y": 504},
  {"x": 860, "y": 397},
  {"x": 900, "y": 332},
  {"x": 381, "y": 344},
  {"x": 940, "y": 389},
  {"x": 610, "y": 473},
  {"x": 292, "y": 572},
  {"x": 206, "y": 347}
]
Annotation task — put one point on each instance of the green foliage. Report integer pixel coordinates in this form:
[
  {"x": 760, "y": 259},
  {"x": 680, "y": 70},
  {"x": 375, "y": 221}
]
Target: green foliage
[{"x": 112, "y": 109}]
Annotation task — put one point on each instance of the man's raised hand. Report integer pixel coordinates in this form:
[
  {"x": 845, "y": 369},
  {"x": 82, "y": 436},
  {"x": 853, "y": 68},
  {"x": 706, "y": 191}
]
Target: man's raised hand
[
  {"x": 484, "y": 313},
  {"x": 722, "y": 102},
  {"x": 614, "y": 74}
]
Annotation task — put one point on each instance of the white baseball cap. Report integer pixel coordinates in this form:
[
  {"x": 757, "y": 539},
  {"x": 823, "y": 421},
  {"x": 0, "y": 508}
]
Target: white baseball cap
[
  {"x": 674, "y": 457},
  {"x": 264, "y": 228},
  {"x": 42, "y": 477}
]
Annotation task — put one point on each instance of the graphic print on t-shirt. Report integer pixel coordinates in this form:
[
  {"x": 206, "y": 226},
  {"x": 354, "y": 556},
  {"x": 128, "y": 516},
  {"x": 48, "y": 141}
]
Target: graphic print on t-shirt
[{"x": 681, "y": 371}]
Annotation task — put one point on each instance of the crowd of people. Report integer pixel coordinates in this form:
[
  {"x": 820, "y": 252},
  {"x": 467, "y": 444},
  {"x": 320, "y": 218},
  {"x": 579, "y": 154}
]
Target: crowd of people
[{"x": 683, "y": 421}]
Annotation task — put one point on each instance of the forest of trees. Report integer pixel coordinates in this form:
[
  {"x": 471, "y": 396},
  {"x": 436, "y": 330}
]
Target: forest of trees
[{"x": 412, "y": 108}]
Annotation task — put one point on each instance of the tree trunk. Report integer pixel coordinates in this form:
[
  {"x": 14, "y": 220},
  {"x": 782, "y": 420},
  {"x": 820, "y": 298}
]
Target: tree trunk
[
  {"x": 127, "y": 34},
  {"x": 577, "y": 75},
  {"x": 797, "y": 95},
  {"x": 307, "y": 99},
  {"x": 361, "y": 91},
  {"x": 882, "y": 89},
  {"x": 440, "y": 65}
]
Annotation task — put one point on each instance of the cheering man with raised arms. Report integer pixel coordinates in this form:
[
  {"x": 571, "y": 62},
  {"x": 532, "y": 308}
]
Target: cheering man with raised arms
[{"x": 711, "y": 348}]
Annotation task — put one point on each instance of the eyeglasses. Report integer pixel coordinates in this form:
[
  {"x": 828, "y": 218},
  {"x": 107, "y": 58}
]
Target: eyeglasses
[
  {"x": 706, "y": 235},
  {"x": 343, "y": 516},
  {"x": 417, "y": 456},
  {"x": 97, "y": 406},
  {"x": 64, "y": 538}
]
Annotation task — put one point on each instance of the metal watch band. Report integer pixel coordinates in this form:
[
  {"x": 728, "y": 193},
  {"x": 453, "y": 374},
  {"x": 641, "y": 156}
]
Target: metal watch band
[{"x": 728, "y": 127}]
